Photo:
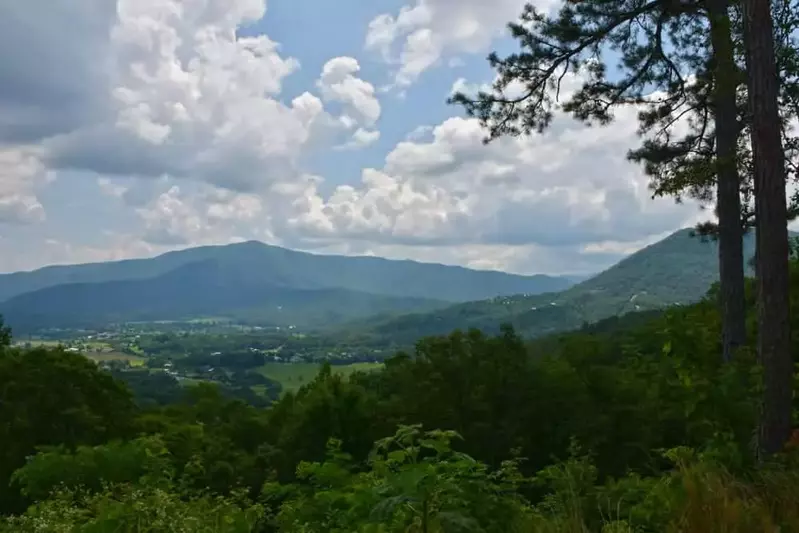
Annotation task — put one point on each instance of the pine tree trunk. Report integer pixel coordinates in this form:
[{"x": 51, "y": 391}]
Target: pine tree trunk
[
  {"x": 728, "y": 210},
  {"x": 772, "y": 229}
]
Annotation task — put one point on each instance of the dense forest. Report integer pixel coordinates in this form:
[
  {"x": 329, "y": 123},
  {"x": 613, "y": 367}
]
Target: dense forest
[
  {"x": 682, "y": 420},
  {"x": 631, "y": 424}
]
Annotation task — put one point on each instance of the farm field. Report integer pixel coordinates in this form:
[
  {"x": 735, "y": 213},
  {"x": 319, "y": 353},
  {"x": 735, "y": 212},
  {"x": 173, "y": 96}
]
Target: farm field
[
  {"x": 292, "y": 376},
  {"x": 100, "y": 346},
  {"x": 40, "y": 343},
  {"x": 98, "y": 357}
]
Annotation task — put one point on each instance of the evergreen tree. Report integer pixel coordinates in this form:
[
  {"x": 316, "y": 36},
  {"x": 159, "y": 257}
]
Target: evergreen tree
[
  {"x": 5, "y": 334},
  {"x": 730, "y": 237},
  {"x": 660, "y": 43},
  {"x": 774, "y": 344}
]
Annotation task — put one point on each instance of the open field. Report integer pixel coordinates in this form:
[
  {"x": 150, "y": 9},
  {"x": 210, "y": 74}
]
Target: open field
[
  {"x": 100, "y": 346},
  {"x": 292, "y": 376},
  {"x": 38, "y": 342},
  {"x": 134, "y": 360},
  {"x": 97, "y": 345}
]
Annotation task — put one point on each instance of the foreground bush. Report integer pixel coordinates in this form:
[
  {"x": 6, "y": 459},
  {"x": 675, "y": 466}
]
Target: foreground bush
[{"x": 415, "y": 482}]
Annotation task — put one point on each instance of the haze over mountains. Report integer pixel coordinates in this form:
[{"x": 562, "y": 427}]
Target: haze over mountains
[
  {"x": 401, "y": 300},
  {"x": 247, "y": 281}
]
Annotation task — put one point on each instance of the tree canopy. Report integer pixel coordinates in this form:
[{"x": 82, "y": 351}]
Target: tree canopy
[{"x": 488, "y": 432}]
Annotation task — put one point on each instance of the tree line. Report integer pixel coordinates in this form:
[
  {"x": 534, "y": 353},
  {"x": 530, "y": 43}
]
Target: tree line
[
  {"x": 725, "y": 71},
  {"x": 637, "y": 415},
  {"x": 630, "y": 425}
]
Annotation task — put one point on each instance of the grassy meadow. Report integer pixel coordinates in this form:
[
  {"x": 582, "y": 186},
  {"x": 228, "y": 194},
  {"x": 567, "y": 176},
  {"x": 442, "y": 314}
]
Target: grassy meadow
[
  {"x": 292, "y": 376},
  {"x": 133, "y": 360}
]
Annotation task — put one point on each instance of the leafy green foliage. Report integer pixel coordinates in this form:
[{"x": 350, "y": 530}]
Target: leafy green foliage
[
  {"x": 89, "y": 468},
  {"x": 51, "y": 398},
  {"x": 415, "y": 483},
  {"x": 145, "y": 508},
  {"x": 329, "y": 407},
  {"x": 629, "y": 425},
  {"x": 215, "y": 444}
]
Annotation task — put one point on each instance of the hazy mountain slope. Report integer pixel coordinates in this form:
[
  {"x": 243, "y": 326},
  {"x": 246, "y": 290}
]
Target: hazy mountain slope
[
  {"x": 197, "y": 290},
  {"x": 677, "y": 270},
  {"x": 299, "y": 270}
]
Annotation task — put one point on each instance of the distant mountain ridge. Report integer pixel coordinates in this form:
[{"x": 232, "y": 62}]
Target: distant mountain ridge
[
  {"x": 676, "y": 270},
  {"x": 301, "y": 270},
  {"x": 197, "y": 290},
  {"x": 393, "y": 300},
  {"x": 248, "y": 280}
]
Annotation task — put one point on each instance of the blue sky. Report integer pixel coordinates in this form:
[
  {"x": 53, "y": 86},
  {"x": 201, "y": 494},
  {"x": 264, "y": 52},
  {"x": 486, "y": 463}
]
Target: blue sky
[
  {"x": 340, "y": 29},
  {"x": 132, "y": 127}
]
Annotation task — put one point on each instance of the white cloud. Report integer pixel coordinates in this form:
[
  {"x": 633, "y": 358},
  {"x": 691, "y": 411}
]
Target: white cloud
[
  {"x": 570, "y": 187},
  {"x": 59, "y": 252},
  {"x": 423, "y": 31},
  {"x": 184, "y": 123},
  {"x": 419, "y": 132},
  {"x": 192, "y": 99},
  {"x": 203, "y": 215},
  {"x": 183, "y": 95},
  {"x": 111, "y": 188},
  {"x": 525, "y": 203},
  {"x": 338, "y": 83},
  {"x": 21, "y": 174},
  {"x": 361, "y": 138}
]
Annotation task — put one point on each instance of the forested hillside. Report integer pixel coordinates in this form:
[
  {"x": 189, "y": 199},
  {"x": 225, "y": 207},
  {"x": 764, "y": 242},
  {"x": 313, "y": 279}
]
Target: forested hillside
[
  {"x": 195, "y": 291},
  {"x": 610, "y": 427},
  {"x": 289, "y": 269},
  {"x": 251, "y": 283},
  {"x": 248, "y": 283},
  {"x": 677, "y": 270},
  {"x": 165, "y": 395}
]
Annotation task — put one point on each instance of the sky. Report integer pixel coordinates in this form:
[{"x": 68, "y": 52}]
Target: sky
[{"x": 132, "y": 127}]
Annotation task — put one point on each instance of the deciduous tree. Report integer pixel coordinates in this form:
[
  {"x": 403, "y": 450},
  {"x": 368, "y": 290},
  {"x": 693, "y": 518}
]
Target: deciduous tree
[{"x": 50, "y": 397}]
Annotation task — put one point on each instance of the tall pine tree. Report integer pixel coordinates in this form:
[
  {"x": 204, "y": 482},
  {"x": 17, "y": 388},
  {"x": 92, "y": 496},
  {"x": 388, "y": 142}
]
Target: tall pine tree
[
  {"x": 687, "y": 167},
  {"x": 772, "y": 227},
  {"x": 728, "y": 184},
  {"x": 682, "y": 51}
]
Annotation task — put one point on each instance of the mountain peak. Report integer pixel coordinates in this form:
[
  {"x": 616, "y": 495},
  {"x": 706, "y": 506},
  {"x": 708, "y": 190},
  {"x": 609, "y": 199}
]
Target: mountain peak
[{"x": 250, "y": 277}]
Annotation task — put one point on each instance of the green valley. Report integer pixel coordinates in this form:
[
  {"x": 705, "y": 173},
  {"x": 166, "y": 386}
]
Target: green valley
[{"x": 311, "y": 267}]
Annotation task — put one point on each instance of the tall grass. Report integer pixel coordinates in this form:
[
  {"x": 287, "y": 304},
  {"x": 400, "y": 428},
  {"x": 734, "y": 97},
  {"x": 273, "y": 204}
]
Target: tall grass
[{"x": 697, "y": 497}]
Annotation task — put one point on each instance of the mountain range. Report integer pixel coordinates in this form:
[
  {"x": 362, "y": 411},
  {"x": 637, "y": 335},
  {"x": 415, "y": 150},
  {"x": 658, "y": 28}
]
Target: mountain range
[
  {"x": 247, "y": 281},
  {"x": 393, "y": 300},
  {"x": 677, "y": 270}
]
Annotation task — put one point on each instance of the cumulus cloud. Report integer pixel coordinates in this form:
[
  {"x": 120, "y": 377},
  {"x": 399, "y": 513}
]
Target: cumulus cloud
[
  {"x": 540, "y": 190},
  {"x": 151, "y": 88},
  {"x": 568, "y": 195},
  {"x": 203, "y": 215},
  {"x": 183, "y": 121},
  {"x": 423, "y": 31},
  {"x": 21, "y": 173},
  {"x": 193, "y": 99},
  {"x": 338, "y": 83}
]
